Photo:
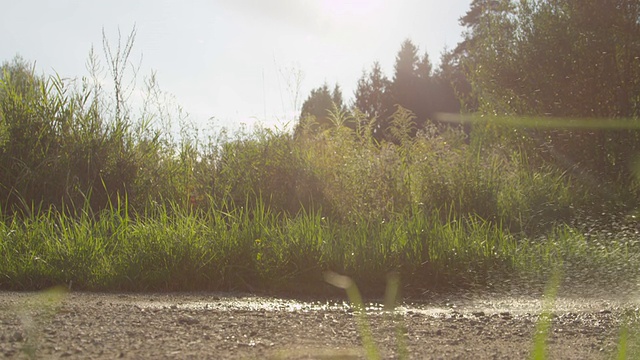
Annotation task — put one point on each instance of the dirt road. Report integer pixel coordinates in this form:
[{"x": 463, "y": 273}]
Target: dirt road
[{"x": 219, "y": 326}]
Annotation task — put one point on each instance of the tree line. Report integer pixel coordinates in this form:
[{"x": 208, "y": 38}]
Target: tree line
[
  {"x": 574, "y": 63},
  {"x": 415, "y": 85}
]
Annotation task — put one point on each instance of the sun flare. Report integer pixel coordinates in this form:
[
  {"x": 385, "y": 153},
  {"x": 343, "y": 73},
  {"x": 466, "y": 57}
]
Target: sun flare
[{"x": 351, "y": 8}]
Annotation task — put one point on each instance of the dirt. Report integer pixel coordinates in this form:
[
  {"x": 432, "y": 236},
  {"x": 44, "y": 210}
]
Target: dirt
[{"x": 227, "y": 326}]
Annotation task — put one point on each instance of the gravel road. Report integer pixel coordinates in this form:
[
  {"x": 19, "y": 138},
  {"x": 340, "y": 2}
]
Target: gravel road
[{"x": 231, "y": 326}]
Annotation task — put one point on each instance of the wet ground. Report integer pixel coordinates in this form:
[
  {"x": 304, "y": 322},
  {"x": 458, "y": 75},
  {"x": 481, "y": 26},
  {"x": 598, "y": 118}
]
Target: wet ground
[{"x": 222, "y": 326}]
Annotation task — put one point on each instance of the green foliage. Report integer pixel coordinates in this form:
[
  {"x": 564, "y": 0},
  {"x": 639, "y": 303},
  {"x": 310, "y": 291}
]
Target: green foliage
[
  {"x": 342, "y": 169},
  {"x": 373, "y": 94},
  {"x": 256, "y": 249},
  {"x": 318, "y": 106},
  {"x": 561, "y": 59},
  {"x": 171, "y": 249},
  {"x": 355, "y": 298},
  {"x": 415, "y": 87},
  {"x": 267, "y": 165},
  {"x": 60, "y": 147},
  {"x": 402, "y": 125},
  {"x": 543, "y": 325}
]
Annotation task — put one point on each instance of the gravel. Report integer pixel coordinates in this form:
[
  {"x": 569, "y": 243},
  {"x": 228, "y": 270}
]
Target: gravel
[{"x": 233, "y": 326}]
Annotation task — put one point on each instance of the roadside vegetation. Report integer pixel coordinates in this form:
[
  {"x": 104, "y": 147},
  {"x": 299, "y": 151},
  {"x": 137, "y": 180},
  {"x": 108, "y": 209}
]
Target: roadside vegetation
[{"x": 96, "y": 195}]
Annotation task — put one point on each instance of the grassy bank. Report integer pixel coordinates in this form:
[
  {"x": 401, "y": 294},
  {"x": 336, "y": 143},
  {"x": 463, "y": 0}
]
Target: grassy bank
[
  {"x": 258, "y": 250},
  {"x": 101, "y": 198}
]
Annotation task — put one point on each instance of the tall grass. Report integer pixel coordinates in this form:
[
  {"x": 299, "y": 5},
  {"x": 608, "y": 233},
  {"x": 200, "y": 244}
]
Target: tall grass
[
  {"x": 170, "y": 248},
  {"x": 99, "y": 199},
  {"x": 82, "y": 151}
]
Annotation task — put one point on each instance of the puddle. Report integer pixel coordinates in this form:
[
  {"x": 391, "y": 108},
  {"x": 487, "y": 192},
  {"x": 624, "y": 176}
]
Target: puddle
[
  {"x": 513, "y": 305},
  {"x": 524, "y": 305}
]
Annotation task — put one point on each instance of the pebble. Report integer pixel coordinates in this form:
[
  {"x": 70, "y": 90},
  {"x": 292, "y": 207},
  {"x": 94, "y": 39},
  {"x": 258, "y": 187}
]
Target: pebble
[
  {"x": 188, "y": 319},
  {"x": 17, "y": 337}
]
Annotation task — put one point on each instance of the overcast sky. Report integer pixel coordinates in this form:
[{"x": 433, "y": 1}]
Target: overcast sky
[{"x": 232, "y": 59}]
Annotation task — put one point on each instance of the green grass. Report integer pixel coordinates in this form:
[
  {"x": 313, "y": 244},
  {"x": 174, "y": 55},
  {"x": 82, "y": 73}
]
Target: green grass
[{"x": 170, "y": 248}]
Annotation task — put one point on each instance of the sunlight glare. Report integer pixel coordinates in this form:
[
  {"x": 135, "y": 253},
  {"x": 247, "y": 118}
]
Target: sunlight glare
[{"x": 351, "y": 8}]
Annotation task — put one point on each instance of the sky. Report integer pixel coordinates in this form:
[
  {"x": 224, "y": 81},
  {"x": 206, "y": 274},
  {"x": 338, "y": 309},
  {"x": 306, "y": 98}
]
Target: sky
[{"x": 232, "y": 62}]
